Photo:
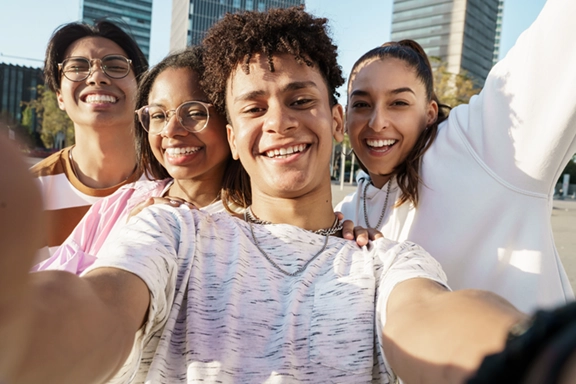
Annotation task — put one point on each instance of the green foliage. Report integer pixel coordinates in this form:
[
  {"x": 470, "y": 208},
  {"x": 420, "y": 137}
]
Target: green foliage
[
  {"x": 52, "y": 119},
  {"x": 452, "y": 88},
  {"x": 27, "y": 118}
]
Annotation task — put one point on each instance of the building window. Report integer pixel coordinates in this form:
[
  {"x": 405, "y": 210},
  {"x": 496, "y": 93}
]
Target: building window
[
  {"x": 236, "y": 4},
  {"x": 250, "y": 5},
  {"x": 261, "y": 6}
]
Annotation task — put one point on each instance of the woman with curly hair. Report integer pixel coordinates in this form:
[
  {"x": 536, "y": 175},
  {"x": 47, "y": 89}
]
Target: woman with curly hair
[{"x": 474, "y": 189}]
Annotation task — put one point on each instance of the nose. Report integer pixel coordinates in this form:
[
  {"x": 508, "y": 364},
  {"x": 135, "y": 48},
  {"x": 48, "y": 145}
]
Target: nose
[
  {"x": 172, "y": 126},
  {"x": 378, "y": 120},
  {"x": 279, "y": 118},
  {"x": 97, "y": 75}
]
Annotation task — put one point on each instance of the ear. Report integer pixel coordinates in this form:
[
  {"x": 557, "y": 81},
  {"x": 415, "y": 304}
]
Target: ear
[
  {"x": 60, "y": 101},
  {"x": 232, "y": 141},
  {"x": 432, "y": 113},
  {"x": 338, "y": 123}
]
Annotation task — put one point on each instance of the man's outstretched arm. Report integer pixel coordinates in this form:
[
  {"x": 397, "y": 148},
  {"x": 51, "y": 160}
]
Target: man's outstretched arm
[
  {"x": 435, "y": 336},
  {"x": 54, "y": 326}
]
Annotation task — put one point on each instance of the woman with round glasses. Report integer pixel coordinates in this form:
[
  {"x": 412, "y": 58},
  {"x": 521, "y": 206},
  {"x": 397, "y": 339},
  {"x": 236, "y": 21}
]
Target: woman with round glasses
[
  {"x": 94, "y": 71},
  {"x": 181, "y": 146}
]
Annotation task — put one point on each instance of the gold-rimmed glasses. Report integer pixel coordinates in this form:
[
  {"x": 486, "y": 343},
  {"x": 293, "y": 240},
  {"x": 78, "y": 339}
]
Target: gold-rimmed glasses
[
  {"x": 192, "y": 115},
  {"x": 79, "y": 68}
]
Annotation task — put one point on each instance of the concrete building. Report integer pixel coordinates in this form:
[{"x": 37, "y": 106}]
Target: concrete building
[
  {"x": 134, "y": 16},
  {"x": 191, "y": 18},
  {"x": 460, "y": 32}
]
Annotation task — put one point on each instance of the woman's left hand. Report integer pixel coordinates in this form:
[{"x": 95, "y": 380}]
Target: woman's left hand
[{"x": 360, "y": 234}]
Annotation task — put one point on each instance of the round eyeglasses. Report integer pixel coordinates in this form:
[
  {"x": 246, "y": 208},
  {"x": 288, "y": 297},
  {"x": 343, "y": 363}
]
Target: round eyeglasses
[
  {"x": 80, "y": 68},
  {"x": 192, "y": 116}
]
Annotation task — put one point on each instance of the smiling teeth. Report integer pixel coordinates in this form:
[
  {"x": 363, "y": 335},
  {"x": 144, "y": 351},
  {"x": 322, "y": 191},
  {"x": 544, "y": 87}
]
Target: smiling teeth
[
  {"x": 380, "y": 143},
  {"x": 283, "y": 152},
  {"x": 101, "y": 99},
  {"x": 181, "y": 151}
]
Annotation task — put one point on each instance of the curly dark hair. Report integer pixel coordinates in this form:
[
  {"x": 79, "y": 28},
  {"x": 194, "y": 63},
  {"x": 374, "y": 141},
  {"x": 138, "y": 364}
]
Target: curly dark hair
[
  {"x": 67, "y": 34},
  {"x": 237, "y": 37},
  {"x": 408, "y": 172},
  {"x": 236, "y": 183}
]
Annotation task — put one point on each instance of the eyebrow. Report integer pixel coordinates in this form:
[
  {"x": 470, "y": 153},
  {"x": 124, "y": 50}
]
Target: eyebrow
[
  {"x": 294, "y": 86},
  {"x": 396, "y": 91}
]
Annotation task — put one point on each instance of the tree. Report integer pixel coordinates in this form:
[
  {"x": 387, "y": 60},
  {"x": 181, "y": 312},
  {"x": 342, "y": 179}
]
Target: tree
[
  {"x": 452, "y": 88},
  {"x": 54, "y": 121}
]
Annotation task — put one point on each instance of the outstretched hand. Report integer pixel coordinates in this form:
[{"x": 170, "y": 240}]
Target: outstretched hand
[{"x": 360, "y": 234}]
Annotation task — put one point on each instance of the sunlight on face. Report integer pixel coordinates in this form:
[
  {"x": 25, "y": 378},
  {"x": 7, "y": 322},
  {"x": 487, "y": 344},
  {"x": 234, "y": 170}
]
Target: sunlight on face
[
  {"x": 387, "y": 112},
  {"x": 282, "y": 125}
]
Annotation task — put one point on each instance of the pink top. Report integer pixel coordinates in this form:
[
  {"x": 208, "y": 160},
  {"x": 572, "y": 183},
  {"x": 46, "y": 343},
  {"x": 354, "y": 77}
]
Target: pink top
[{"x": 78, "y": 251}]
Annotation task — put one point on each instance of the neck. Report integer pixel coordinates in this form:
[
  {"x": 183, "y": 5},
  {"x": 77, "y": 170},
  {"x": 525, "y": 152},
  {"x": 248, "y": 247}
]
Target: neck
[
  {"x": 312, "y": 211},
  {"x": 379, "y": 180},
  {"x": 199, "y": 193},
  {"x": 102, "y": 161}
]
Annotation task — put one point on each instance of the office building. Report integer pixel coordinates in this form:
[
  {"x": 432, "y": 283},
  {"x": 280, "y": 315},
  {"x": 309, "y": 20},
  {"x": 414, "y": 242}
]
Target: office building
[
  {"x": 191, "y": 18},
  {"x": 498, "y": 35},
  {"x": 459, "y": 32},
  {"x": 18, "y": 85},
  {"x": 134, "y": 16}
]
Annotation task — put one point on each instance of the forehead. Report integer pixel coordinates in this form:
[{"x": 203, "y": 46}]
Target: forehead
[
  {"x": 386, "y": 73},
  {"x": 288, "y": 74},
  {"x": 177, "y": 83},
  {"x": 93, "y": 47}
]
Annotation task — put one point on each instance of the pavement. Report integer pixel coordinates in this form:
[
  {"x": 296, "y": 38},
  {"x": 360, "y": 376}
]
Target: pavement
[
  {"x": 563, "y": 226},
  {"x": 564, "y": 229}
]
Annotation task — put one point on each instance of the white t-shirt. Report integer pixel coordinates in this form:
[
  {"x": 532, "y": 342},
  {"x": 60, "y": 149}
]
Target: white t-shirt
[
  {"x": 221, "y": 312},
  {"x": 488, "y": 179}
]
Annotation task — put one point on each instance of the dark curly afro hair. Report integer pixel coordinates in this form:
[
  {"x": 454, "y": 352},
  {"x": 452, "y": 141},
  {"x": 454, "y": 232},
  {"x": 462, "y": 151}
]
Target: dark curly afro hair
[{"x": 237, "y": 37}]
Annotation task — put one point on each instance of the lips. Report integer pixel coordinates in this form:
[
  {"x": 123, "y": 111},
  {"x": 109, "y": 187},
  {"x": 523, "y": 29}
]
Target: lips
[
  {"x": 379, "y": 143},
  {"x": 98, "y": 98},
  {"x": 181, "y": 151},
  {"x": 285, "y": 151}
]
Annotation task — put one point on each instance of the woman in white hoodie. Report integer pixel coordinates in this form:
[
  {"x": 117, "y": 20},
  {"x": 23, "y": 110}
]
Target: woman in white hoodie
[{"x": 475, "y": 188}]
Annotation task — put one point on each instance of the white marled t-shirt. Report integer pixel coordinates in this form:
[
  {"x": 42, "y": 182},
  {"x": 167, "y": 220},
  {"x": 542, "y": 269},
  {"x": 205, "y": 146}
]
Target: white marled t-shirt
[{"x": 220, "y": 312}]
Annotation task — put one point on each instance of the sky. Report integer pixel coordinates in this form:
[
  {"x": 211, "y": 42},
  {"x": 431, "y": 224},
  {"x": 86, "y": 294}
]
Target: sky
[{"x": 356, "y": 26}]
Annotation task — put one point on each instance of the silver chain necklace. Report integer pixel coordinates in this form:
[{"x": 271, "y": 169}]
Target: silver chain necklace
[
  {"x": 326, "y": 232},
  {"x": 383, "y": 208}
]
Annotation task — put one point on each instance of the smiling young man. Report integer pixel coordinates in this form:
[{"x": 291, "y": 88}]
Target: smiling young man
[
  {"x": 181, "y": 296},
  {"x": 94, "y": 70}
]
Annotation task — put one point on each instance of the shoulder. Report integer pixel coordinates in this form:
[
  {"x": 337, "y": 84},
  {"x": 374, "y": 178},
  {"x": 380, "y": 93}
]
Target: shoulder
[
  {"x": 144, "y": 186},
  {"x": 52, "y": 165},
  {"x": 409, "y": 259}
]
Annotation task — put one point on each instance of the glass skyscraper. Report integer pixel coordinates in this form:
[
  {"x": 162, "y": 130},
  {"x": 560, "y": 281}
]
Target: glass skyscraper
[
  {"x": 134, "y": 16},
  {"x": 191, "y": 18},
  {"x": 461, "y": 33}
]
